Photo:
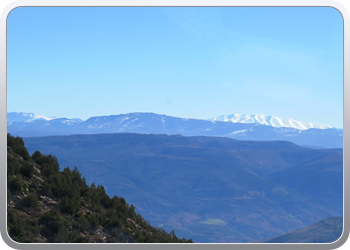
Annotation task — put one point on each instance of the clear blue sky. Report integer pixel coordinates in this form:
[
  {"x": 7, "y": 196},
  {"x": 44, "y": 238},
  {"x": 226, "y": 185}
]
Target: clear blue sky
[{"x": 184, "y": 62}]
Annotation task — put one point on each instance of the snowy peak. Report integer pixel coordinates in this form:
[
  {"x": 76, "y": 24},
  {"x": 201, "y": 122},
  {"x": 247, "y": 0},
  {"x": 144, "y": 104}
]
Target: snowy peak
[
  {"x": 133, "y": 118},
  {"x": 269, "y": 120},
  {"x": 21, "y": 116},
  {"x": 31, "y": 118},
  {"x": 239, "y": 127}
]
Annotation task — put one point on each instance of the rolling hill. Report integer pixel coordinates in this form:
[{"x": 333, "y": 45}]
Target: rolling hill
[
  {"x": 210, "y": 189},
  {"x": 325, "y": 231}
]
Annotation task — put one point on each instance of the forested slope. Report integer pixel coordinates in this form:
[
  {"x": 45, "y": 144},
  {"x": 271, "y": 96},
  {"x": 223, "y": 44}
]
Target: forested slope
[{"x": 49, "y": 205}]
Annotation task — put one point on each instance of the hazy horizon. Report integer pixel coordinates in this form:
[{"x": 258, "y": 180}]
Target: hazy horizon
[{"x": 206, "y": 118}]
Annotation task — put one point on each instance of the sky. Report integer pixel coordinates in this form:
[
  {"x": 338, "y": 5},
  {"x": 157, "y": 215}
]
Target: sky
[{"x": 188, "y": 62}]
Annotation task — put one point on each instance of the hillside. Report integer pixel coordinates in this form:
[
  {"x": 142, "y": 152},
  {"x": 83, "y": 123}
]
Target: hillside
[
  {"x": 45, "y": 204},
  {"x": 210, "y": 189},
  {"x": 325, "y": 231}
]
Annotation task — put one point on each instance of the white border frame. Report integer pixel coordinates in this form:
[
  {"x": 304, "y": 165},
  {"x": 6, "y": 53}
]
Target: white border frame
[{"x": 169, "y": 3}]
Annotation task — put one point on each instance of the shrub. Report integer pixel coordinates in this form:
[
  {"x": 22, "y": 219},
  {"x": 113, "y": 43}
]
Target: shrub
[
  {"x": 47, "y": 170},
  {"x": 13, "y": 166},
  {"x": 82, "y": 223},
  {"x": 46, "y": 188},
  {"x": 16, "y": 184},
  {"x": 17, "y": 145},
  {"x": 114, "y": 222},
  {"x": 52, "y": 220},
  {"x": 27, "y": 169},
  {"x": 93, "y": 220},
  {"x": 82, "y": 239},
  {"x": 49, "y": 163},
  {"x": 31, "y": 200},
  {"x": 70, "y": 205}
]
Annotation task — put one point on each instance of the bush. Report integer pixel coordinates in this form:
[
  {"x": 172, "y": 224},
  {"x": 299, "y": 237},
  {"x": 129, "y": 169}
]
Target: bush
[
  {"x": 36, "y": 155},
  {"x": 16, "y": 184},
  {"x": 82, "y": 239},
  {"x": 114, "y": 222},
  {"x": 31, "y": 200},
  {"x": 13, "y": 167},
  {"x": 49, "y": 163},
  {"x": 27, "y": 169},
  {"x": 21, "y": 229},
  {"x": 17, "y": 146},
  {"x": 52, "y": 220},
  {"x": 47, "y": 170},
  {"x": 70, "y": 205},
  {"x": 82, "y": 223},
  {"x": 93, "y": 220},
  {"x": 46, "y": 188},
  {"x": 63, "y": 236}
]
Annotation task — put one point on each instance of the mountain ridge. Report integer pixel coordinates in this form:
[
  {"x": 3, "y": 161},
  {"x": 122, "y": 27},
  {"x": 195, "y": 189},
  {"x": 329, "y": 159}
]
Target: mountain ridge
[
  {"x": 263, "y": 119},
  {"x": 269, "y": 120},
  {"x": 151, "y": 123}
]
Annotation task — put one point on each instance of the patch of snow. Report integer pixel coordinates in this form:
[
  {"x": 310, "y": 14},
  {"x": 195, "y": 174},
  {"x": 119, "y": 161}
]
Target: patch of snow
[
  {"x": 238, "y": 132},
  {"x": 45, "y": 117},
  {"x": 124, "y": 119},
  {"x": 269, "y": 120},
  {"x": 69, "y": 122}
]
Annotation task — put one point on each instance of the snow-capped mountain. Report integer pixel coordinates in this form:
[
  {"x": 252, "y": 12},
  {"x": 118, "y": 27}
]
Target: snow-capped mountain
[
  {"x": 30, "y": 117},
  {"x": 21, "y": 116},
  {"x": 269, "y": 120},
  {"x": 150, "y": 123}
]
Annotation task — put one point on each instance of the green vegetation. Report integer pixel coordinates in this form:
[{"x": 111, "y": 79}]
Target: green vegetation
[
  {"x": 17, "y": 145},
  {"x": 214, "y": 222},
  {"x": 49, "y": 205}
]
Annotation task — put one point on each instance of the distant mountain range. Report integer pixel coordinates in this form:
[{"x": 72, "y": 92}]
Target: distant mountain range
[
  {"x": 31, "y": 124},
  {"x": 210, "y": 189}
]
